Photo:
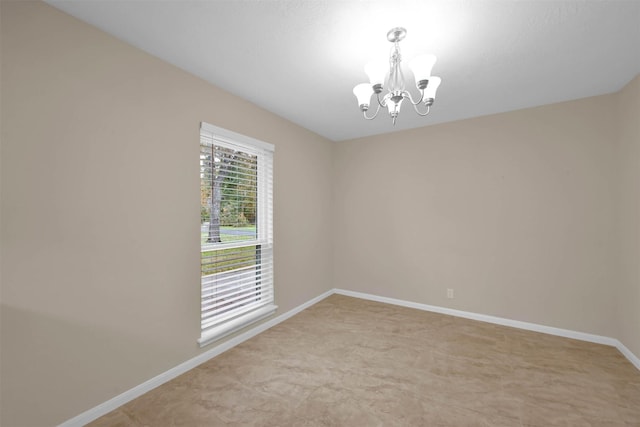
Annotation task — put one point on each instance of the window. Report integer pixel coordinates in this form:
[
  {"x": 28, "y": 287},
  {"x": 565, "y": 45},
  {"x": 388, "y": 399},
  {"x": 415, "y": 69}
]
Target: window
[{"x": 236, "y": 232}]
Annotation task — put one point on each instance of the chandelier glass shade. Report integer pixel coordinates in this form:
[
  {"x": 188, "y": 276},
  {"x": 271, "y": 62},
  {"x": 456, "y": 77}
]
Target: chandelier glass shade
[{"x": 391, "y": 72}]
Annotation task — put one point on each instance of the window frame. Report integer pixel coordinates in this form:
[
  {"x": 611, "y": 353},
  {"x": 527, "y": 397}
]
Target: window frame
[{"x": 264, "y": 233}]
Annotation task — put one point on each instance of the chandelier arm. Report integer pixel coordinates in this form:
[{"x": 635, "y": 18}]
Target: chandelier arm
[
  {"x": 382, "y": 103},
  {"x": 415, "y": 107},
  {"x": 364, "y": 113},
  {"x": 406, "y": 94}
]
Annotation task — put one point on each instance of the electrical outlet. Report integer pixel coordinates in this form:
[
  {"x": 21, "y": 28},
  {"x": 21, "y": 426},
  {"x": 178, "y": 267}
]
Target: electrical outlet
[{"x": 449, "y": 293}]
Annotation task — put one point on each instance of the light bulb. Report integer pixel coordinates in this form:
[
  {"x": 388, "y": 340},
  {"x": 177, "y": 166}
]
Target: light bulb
[
  {"x": 421, "y": 67},
  {"x": 376, "y": 70},
  {"x": 363, "y": 92},
  {"x": 432, "y": 87}
]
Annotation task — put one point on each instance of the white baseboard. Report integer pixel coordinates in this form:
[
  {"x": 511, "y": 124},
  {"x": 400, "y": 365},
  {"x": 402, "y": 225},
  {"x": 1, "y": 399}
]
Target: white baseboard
[
  {"x": 628, "y": 354},
  {"x": 582, "y": 336},
  {"x": 114, "y": 403},
  {"x": 484, "y": 318}
]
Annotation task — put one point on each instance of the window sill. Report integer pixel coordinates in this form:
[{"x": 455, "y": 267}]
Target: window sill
[{"x": 218, "y": 332}]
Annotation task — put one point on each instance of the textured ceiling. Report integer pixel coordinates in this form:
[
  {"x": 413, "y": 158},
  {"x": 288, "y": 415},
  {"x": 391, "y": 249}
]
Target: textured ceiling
[{"x": 301, "y": 59}]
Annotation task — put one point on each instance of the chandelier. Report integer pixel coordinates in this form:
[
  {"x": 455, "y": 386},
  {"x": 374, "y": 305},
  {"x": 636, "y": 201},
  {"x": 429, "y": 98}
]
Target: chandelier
[{"x": 396, "y": 92}]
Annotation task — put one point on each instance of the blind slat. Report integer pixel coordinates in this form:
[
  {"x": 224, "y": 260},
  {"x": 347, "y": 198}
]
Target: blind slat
[{"x": 210, "y": 313}]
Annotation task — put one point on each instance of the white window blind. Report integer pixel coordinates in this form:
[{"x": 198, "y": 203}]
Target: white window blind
[{"x": 236, "y": 217}]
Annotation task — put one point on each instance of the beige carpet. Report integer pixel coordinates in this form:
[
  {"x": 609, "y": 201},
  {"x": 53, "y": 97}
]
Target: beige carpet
[{"x": 351, "y": 362}]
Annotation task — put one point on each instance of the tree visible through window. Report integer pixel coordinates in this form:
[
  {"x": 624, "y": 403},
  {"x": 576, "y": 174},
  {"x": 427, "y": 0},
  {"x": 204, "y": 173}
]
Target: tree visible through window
[
  {"x": 236, "y": 231},
  {"x": 228, "y": 193}
]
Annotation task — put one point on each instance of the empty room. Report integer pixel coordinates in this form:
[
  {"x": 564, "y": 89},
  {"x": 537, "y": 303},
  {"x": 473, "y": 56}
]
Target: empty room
[{"x": 411, "y": 213}]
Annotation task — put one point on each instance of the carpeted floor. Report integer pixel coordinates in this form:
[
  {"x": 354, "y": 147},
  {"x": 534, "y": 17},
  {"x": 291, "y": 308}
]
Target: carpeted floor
[{"x": 351, "y": 362}]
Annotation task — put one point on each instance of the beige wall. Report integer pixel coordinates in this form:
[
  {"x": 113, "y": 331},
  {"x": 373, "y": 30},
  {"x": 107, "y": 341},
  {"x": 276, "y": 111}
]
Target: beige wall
[
  {"x": 512, "y": 211},
  {"x": 628, "y": 220},
  {"x": 100, "y": 228}
]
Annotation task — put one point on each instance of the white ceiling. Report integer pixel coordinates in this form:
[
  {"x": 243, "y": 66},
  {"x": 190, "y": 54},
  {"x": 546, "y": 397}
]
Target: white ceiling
[{"x": 301, "y": 59}]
